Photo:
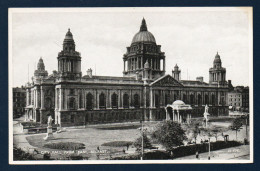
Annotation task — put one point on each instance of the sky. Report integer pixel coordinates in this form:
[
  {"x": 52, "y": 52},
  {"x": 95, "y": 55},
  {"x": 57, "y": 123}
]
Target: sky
[{"x": 190, "y": 37}]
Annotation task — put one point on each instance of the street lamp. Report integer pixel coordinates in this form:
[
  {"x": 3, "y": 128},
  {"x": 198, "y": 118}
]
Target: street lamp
[
  {"x": 142, "y": 136},
  {"x": 209, "y": 150}
]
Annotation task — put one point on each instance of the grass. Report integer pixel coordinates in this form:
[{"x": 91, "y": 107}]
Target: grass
[
  {"x": 65, "y": 145},
  {"x": 118, "y": 143}
]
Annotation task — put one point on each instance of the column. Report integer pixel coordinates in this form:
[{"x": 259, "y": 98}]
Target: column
[
  {"x": 142, "y": 66},
  {"x": 151, "y": 97},
  {"x": 27, "y": 97},
  {"x": 108, "y": 100},
  {"x": 124, "y": 65},
  {"x": 61, "y": 98},
  {"x": 119, "y": 99},
  {"x": 42, "y": 98},
  {"x": 178, "y": 116},
  {"x": 37, "y": 97},
  {"x": 163, "y": 64}
]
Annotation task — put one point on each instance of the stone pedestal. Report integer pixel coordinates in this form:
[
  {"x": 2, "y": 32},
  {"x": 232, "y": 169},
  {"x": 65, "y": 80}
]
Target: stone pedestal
[{"x": 49, "y": 134}]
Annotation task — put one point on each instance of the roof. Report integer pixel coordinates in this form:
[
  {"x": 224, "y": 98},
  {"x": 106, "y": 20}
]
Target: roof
[
  {"x": 143, "y": 35},
  {"x": 193, "y": 83},
  {"x": 108, "y": 77}
]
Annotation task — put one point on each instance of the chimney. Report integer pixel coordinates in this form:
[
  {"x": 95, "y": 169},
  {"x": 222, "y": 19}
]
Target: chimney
[
  {"x": 199, "y": 79},
  {"x": 89, "y": 72}
]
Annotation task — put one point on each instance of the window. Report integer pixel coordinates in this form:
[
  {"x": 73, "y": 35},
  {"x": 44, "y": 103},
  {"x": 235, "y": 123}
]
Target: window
[
  {"x": 48, "y": 103},
  {"x": 80, "y": 100},
  {"x": 213, "y": 99},
  {"x": 89, "y": 101},
  {"x": 102, "y": 100},
  {"x": 136, "y": 101},
  {"x": 72, "y": 103},
  {"x": 114, "y": 100},
  {"x": 191, "y": 99},
  {"x": 71, "y": 91},
  {"x": 206, "y": 99},
  {"x": 157, "y": 101},
  {"x": 199, "y": 99},
  {"x": 175, "y": 97},
  {"x": 125, "y": 100},
  {"x": 166, "y": 99}
]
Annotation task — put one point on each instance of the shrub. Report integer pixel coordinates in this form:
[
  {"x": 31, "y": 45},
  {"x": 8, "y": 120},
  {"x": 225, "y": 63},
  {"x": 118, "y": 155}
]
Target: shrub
[
  {"x": 65, "y": 145},
  {"x": 146, "y": 143},
  {"x": 19, "y": 154},
  {"x": 118, "y": 143}
]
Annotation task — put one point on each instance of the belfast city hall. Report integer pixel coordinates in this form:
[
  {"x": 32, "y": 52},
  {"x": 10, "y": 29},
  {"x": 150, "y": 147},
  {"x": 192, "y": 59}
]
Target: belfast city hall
[{"x": 142, "y": 93}]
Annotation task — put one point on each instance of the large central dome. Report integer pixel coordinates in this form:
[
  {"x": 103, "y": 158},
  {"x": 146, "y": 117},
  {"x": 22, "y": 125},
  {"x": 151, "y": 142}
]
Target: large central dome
[{"x": 143, "y": 35}]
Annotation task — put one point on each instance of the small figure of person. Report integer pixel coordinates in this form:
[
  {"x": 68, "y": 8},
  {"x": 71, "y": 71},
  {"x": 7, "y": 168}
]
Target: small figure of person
[
  {"x": 201, "y": 141},
  {"x": 127, "y": 146},
  {"x": 197, "y": 155},
  {"x": 98, "y": 148},
  {"x": 123, "y": 150}
]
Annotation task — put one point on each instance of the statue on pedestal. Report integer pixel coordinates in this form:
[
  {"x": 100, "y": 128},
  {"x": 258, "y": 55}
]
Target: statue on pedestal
[
  {"x": 206, "y": 114},
  {"x": 49, "y": 129}
]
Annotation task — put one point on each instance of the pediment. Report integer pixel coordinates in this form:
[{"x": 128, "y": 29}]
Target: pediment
[{"x": 166, "y": 81}]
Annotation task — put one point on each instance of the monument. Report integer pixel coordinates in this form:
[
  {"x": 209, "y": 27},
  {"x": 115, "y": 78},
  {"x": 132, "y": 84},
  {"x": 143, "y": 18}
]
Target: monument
[
  {"x": 206, "y": 114},
  {"x": 49, "y": 129}
]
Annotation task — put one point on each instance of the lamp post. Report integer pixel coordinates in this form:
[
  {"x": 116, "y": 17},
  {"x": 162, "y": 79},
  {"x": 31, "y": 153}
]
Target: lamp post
[
  {"x": 142, "y": 141},
  {"x": 142, "y": 136},
  {"x": 209, "y": 150}
]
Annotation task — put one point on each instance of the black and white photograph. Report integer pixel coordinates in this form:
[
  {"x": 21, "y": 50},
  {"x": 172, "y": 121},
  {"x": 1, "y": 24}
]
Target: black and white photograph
[{"x": 130, "y": 85}]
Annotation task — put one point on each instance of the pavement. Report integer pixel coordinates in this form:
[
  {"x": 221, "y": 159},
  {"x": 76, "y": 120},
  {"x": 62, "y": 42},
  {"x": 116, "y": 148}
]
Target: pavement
[{"x": 233, "y": 153}]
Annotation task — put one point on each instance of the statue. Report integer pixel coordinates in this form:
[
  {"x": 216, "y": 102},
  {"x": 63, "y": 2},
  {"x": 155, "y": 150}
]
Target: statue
[
  {"x": 206, "y": 114},
  {"x": 50, "y": 121},
  {"x": 49, "y": 129}
]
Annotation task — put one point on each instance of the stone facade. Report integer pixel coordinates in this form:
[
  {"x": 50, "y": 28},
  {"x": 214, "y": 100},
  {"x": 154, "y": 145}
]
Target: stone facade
[
  {"x": 141, "y": 94},
  {"x": 238, "y": 98},
  {"x": 19, "y": 101}
]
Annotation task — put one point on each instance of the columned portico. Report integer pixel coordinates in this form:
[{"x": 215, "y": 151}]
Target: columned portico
[{"x": 178, "y": 112}]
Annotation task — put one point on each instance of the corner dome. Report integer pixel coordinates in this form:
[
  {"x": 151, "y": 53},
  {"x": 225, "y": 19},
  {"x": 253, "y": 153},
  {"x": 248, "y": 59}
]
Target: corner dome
[
  {"x": 217, "y": 58},
  {"x": 178, "y": 102},
  {"x": 143, "y": 35}
]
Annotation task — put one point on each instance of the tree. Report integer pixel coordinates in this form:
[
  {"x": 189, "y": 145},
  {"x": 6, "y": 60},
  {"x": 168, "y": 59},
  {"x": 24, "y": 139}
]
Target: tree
[
  {"x": 169, "y": 134},
  {"x": 236, "y": 125},
  {"x": 146, "y": 142},
  {"x": 194, "y": 128},
  {"x": 217, "y": 131}
]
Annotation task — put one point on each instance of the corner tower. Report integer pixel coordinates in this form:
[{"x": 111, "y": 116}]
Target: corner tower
[
  {"x": 40, "y": 72},
  {"x": 176, "y": 73},
  {"x": 217, "y": 74},
  {"x": 144, "y": 48},
  {"x": 69, "y": 60}
]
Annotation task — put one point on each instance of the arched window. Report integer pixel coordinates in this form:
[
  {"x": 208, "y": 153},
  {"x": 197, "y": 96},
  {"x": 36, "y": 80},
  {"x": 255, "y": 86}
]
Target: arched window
[
  {"x": 102, "y": 100},
  {"x": 157, "y": 103},
  {"x": 213, "y": 99},
  {"x": 89, "y": 101},
  {"x": 125, "y": 100},
  {"x": 114, "y": 100},
  {"x": 80, "y": 100},
  {"x": 206, "y": 99},
  {"x": 72, "y": 103},
  {"x": 136, "y": 101},
  {"x": 191, "y": 99},
  {"x": 199, "y": 99}
]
